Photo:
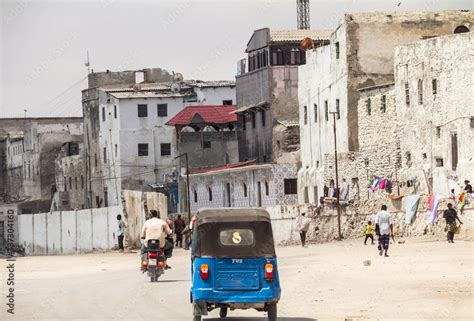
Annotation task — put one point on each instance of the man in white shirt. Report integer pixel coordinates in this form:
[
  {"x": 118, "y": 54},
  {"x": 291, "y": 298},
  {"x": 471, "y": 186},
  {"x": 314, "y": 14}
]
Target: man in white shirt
[
  {"x": 303, "y": 226},
  {"x": 384, "y": 229},
  {"x": 154, "y": 229}
]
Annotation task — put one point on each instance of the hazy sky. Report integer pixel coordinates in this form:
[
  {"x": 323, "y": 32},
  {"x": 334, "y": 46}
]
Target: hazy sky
[{"x": 44, "y": 43}]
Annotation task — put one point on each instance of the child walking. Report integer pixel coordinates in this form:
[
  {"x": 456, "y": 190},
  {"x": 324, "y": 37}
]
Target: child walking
[{"x": 368, "y": 233}]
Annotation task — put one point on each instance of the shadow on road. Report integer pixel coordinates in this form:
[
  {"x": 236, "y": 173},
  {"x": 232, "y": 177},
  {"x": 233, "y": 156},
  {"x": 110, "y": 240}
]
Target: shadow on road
[
  {"x": 173, "y": 281},
  {"x": 258, "y": 319}
]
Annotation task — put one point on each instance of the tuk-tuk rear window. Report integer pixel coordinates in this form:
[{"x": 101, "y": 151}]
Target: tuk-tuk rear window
[{"x": 236, "y": 237}]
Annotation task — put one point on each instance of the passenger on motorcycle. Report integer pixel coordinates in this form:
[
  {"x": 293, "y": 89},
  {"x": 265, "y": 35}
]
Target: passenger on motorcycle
[{"x": 156, "y": 229}]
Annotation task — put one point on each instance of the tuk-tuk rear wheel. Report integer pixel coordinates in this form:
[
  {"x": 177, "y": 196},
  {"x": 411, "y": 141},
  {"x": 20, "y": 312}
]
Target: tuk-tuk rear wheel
[
  {"x": 223, "y": 312},
  {"x": 272, "y": 312}
]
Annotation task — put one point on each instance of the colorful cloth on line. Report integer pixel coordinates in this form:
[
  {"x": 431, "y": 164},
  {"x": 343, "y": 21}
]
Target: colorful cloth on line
[
  {"x": 411, "y": 205},
  {"x": 432, "y": 212}
]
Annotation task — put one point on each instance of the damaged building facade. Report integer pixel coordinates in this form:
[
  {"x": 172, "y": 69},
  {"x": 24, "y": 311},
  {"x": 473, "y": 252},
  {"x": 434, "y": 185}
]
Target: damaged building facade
[
  {"x": 434, "y": 93},
  {"x": 267, "y": 94},
  {"x": 127, "y": 142},
  {"x": 352, "y": 82},
  {"x": 30, "y": 160}
]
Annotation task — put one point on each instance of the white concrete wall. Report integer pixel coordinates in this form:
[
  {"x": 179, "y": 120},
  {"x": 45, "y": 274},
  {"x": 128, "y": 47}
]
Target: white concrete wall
[
  {"x": 54, "y": 232},
  {"x": 283, "y": 223},
  {"x": 215, "y": 95},
  {"x": 69, "y": 231}
]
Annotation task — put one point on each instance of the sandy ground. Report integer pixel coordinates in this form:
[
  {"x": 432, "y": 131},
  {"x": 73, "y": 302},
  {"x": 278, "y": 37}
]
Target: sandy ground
[{"x": 423, "y": 279}]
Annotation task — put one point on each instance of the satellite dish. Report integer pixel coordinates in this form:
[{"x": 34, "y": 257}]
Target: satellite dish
[
  {"x": 178, "y": 77},
  {"x": 175, "y": 87}
]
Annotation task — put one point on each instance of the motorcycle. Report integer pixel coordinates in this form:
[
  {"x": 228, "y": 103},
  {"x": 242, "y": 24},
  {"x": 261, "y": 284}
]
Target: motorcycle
[{"x": 154, "y": 260}]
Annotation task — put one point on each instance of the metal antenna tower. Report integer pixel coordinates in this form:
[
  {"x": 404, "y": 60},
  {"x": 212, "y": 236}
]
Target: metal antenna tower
[{"x": 302, "y": 12}]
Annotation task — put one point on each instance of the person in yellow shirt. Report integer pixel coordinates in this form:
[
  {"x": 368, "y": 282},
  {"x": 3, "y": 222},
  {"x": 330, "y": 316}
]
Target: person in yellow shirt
[{"x": 368, "y": 233}]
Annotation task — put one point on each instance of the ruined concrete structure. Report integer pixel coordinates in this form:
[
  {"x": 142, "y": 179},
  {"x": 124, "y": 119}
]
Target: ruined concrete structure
[
  {"x": 31, "y": 146},
  {"x": 267, "y": 94},
  {"x": 207, "y": 134},
  {"x": 434, "y": 93},
  {"x": 70, "y": 192},
  {"x": 127, "y": 144},
  {"x": 339, "y": 80}
]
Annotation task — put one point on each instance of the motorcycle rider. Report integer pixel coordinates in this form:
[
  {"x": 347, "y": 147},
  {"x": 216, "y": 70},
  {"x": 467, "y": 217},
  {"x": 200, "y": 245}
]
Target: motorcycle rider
[{"x": 156, "y": 229}]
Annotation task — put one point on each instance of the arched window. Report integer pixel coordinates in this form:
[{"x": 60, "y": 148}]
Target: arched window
[
  {"x": 244, "y": 186},
  {"x": 210, "y": 194},
  {"x": 195, "y": 195},
  {"x": 420, "y": 92},
  {"x": 295, "y": 57},
  {"x": 461, "y": 29},
  {"x": 277, "y": 57},
  {"x": 305, "y": 115},
  {"x": 267, "y": 189}
]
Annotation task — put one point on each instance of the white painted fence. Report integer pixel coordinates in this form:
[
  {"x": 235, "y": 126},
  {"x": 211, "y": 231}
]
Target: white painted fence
[{"x": 69, "y": 231}]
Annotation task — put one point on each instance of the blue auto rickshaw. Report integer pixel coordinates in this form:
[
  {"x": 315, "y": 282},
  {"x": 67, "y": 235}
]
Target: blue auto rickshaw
[{"x": 234, "y": 264}]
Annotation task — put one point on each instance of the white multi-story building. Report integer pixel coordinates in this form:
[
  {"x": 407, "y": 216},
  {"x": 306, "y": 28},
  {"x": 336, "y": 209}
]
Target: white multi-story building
[{"x": 128, "y": 144}]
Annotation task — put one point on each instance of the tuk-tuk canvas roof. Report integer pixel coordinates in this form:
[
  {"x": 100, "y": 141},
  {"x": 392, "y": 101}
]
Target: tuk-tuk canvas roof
[{"x": 210, "y": 223}]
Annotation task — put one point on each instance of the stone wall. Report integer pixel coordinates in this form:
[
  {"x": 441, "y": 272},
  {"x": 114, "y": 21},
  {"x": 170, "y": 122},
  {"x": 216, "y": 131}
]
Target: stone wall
[{"x": 436, "y": 77}]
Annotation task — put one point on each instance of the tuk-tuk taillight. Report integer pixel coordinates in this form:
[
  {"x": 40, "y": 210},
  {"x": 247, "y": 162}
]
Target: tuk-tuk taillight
[
  {"x": 269, "y": 272},
  {"x": 204, "y": 271}
]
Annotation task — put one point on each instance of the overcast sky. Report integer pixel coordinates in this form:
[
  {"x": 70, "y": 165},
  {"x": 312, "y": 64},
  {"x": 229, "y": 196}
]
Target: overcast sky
[{"x": 44, "y": 43}]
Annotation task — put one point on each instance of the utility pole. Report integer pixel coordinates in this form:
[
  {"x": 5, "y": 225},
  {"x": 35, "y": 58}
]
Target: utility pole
[
  {"x": 338, "y": 205},
  {"x": 187, "y": 184}
]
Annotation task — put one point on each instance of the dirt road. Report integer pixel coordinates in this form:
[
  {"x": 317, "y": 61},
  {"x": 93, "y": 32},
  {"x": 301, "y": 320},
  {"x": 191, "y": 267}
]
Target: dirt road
[{"x": 422, "y": 279}]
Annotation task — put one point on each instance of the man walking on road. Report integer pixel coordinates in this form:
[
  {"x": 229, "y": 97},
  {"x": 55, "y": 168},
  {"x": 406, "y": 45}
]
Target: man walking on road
[
  {"x": 384, "y": 229},
  {"x": 179, "y": 226},
  {"x": 451, "y": 216},
  {"x": 303, "y": 226},
  {"x": 120, "y": 232}
]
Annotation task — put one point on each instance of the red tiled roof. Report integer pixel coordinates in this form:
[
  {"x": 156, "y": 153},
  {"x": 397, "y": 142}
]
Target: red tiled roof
[
  {"x": 212, "y": 169},
  {"x": 215, "y": 114}
]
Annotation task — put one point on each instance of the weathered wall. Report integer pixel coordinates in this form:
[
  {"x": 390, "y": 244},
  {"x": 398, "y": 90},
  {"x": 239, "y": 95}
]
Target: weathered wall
[
  {"x": 111, "y": 78},
  {"x": 428, "y": 126},
  {"x": 135, "y": 204},
  {"x": 252, "y": 88},
  {"x": 3, "y": 166},
  {"x": 69, "y": 231},
  {"x": 223, "y": 150},
  {"x": 70, "y": 183},
  {"x": 366, "y": 43},
  {"x": 254, "y": 177}
]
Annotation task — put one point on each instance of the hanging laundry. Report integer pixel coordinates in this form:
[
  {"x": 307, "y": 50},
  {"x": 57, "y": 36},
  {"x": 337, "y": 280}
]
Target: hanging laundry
[
  {"x": 411, "y": 205},
  {"x": 433, "y": 213},
  {"x": 388, "y": 186},
  {"x": 382, "y": 184},
  {"x": 326, "y": 191},
  {"x": 370, "y": 182},
  {"x": 334, "y": 192},
  {"x": 430, "y": 201}
]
